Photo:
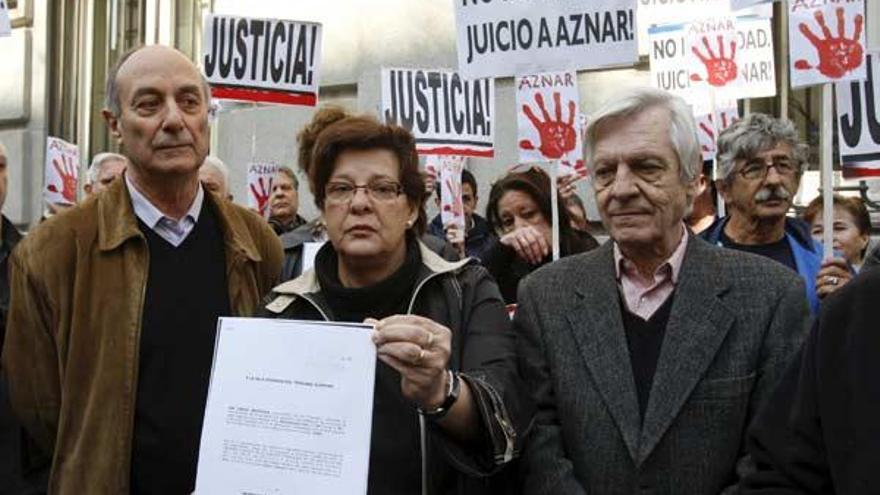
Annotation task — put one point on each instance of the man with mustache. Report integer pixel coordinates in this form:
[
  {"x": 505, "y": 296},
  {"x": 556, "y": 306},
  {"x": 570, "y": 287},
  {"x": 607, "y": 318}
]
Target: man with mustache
[
  {"x": 114, "y": 307},
  {"x": 760, "y": 162}
]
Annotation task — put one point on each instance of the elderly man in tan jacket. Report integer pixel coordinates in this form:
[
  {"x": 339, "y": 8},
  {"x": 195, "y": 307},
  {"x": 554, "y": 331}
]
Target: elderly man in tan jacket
[{"x": 115, "y": 303}]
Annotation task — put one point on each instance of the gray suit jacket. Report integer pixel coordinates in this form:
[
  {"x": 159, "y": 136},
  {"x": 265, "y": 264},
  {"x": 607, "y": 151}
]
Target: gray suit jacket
[{"x": 736, "y": 321}]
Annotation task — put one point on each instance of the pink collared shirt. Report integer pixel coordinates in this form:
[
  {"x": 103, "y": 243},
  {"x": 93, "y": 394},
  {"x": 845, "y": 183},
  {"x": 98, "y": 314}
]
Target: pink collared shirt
[{"x": 645, "y": 296}]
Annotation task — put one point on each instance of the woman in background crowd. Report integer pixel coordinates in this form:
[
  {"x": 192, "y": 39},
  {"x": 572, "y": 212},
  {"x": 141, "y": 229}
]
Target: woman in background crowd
[
  {"x": 449, "y": 408},
  {"x": 852, "y": 227},
  {"x": 519, "y": 210}
]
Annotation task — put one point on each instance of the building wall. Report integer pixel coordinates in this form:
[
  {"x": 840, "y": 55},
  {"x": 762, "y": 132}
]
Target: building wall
[{"x": 23, "y": 120}]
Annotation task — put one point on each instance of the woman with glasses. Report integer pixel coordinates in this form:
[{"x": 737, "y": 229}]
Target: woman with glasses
[
  {"x": 519, "y": 210},
  {"x": 448, "y": 407}
]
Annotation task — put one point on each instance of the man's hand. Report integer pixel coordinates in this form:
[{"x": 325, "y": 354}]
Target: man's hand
[
  {"x": 529, "y": 244},
  {"x": 833, "y": 275},
  {"x": 455, "y": 236}
]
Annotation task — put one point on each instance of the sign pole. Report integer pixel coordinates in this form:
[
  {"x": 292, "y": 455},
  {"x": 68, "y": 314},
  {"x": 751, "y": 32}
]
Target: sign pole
[
  {"x": 554, "y": 205},
  {"x": 827, "y": 170},
  {"x": 719, "y": 201}
]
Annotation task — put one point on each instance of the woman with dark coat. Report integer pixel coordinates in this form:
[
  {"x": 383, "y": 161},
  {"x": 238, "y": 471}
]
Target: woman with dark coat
[
  {"x": 519, "y": 210},
  {"x": 449, "y": 408}
]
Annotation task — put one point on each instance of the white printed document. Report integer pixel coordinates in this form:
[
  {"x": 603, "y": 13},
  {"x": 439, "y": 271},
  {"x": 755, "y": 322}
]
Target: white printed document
[{"x": 289, "y": 409}]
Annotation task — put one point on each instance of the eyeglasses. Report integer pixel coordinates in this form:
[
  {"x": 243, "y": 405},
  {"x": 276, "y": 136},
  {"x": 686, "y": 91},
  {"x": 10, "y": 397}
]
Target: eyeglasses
[
  {"x": 758, "y": 169},
  {"x": 341, "y": 192}
]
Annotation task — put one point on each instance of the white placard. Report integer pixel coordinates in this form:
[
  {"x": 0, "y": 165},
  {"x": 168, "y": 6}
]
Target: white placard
[
  {"x": 61, "y": 172},
  {"x": 448, "y": 115},
  {"x": 267, "y": 60},
  {"x": 260, "y": 178},
  {"x": 858, "y": 120},
  {"x": 658, "y": 12},
  {"x": 548, "y": 120},
  {"x": 500, "y": 38},
  {"x": 708, "y": 126},
  {"x": 827, "y": 41},
  {"x": 713, "y": 59},
  {"x": 670, "y": 57},
  {"x": 5, "y": 25},
  {"x": 742, "y": 4},
  {"x": 451, "y": 205},
  {"x": 289, "y": 409}
]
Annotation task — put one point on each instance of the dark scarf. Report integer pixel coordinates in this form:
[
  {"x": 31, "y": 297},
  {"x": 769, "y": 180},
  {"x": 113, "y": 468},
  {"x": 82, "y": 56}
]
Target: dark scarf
[{"x": 388, "y": 297}]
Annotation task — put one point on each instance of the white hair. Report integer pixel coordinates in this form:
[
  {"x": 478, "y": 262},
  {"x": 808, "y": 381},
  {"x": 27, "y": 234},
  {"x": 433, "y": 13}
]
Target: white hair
[
  {"x": 98, "y": 161},
  {"x": 682, "y": 129},
  {"x": 213, "y": 161}
]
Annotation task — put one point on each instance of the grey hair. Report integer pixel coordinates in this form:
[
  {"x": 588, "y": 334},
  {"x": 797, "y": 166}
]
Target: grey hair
[
  {"x": 213, "y": 161},
  {"x": 753, "y": 134},
  {"x": 682, "y": 129},
  {"x": 98, "y": 162},
  {"x": 111, "y": 91}
]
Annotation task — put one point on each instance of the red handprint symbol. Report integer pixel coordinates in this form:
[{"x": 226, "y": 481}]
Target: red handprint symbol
[
  {"x": 837, "y": 55},
  {"x": 720, "y": 69},
  {"x": 456, "y": 208},
  {"x": 262, "y": 195},
  {"x": 709, "y": 132},
  {"x": 557, "y": 137},
  {"x": 67, "y": 172}
]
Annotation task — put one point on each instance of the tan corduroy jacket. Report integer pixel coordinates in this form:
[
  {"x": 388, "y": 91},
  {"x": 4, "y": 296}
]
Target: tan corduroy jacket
[{"x": 71, "y": 353}]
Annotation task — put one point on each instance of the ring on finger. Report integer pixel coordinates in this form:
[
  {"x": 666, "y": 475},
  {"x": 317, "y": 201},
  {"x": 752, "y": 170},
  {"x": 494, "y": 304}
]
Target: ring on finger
[
  {"x": 833, "y": 280},
  {"x": 419, "y": 357}
]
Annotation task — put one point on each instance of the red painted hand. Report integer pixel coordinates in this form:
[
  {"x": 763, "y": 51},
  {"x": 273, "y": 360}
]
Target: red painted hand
[
  {"x": 720, "y": 69},
  {"x": 262, "y": 195},
  {"x": 558, "y": 137},
  {"x": 67, "y": 172},
  {"x": 456, "y": 208},
  {"x": 837, "y": 55}
]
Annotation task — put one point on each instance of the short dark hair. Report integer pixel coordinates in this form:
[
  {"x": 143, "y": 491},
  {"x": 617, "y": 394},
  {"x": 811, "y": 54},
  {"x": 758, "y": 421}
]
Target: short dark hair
[
  {"x": 466, "y": 178},
  {"x": 366, "y": 133}
]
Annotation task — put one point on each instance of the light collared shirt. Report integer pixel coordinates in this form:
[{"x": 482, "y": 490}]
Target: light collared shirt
[
  {"x": 173, "y": 231},
  {"x": 644, "y": 296}
]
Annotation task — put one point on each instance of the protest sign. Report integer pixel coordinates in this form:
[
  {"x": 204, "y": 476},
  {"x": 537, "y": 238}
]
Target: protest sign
[
  {"x": 742, "y": 4},
  {"x": 5, "y": 25},
  {"x": 819, "y": 55},
  {"x": 267, "y": 60},
  {"x": 659, "y": 12},
  {"x": 451, "y": 205},
  {"x": 754, "y": 65},
  {"x": 710, "y": 124},
  {"x": 858, "y": 119},
  {"x": 499, "y": 38},
  {"x": 713, "y": 62},
  {"x": 548, "y": 122},
  {"x": 61, "y": 172},
  {"x": 447, "y": 114},
  {"x": 260, "y": 177}
]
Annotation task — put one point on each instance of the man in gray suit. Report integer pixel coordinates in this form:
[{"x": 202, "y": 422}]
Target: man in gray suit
[{"x": 649, "y": 356}]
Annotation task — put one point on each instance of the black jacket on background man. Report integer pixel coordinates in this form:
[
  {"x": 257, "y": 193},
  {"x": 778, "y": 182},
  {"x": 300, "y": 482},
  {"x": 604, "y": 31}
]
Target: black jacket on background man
[
  {"x": 820, "y": 431},
  {"x": 14, "y": 470}
]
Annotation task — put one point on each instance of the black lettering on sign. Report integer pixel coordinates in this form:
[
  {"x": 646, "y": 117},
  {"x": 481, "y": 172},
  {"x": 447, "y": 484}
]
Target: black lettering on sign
[
  {"x": 245, "y": 50},
  {"x": 851, "y": 125},
  {"x": 433, "y": 102}
]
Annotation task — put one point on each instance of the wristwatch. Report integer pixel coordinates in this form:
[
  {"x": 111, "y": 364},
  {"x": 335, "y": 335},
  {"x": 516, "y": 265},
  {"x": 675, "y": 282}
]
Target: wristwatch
[{"x": 451, "y": 396}]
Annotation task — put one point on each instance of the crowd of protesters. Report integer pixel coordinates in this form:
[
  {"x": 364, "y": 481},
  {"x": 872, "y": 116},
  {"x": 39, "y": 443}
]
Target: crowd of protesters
[{"x": 688, "y": 354}]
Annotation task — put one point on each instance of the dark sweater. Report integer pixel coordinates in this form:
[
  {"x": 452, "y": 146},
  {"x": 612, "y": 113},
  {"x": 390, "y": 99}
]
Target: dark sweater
[
  {"x": 186, "y": 293},
  {"x": 644, "y": 340},
  {"x": 820, "y": 432},
  {"x": 395, "y": 460}
]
